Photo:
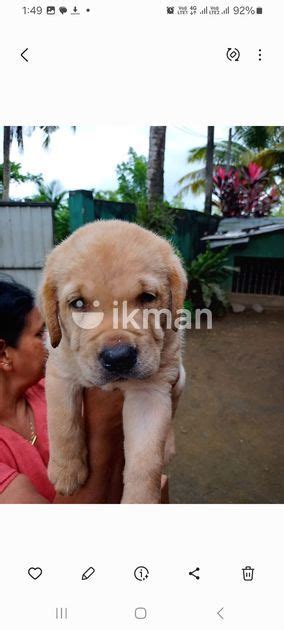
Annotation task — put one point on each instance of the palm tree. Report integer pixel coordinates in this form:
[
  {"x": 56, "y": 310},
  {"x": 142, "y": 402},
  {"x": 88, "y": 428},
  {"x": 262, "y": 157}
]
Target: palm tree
[
  {"x": 155, "y": 168},
  {"x": 229, "y": 149},
  {"x": 209, "y": 170},
  {"x": 18, "y": 132},
  {"x": 6, "y": 163},
  {"x": 262, "y": 145},
  {"x": 51, "y": 193},
  {"x": 9, "y": 133}
]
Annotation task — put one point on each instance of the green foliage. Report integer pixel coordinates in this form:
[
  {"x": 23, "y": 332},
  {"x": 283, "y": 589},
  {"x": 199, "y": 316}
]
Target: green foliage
[
  {"x": 132, "y": 181},
  {"x": 189, "y": 306},
  {"x": 262, "y": 145},
  {"x": 16, "y": 175},
  {"x": 279, "y": 212},
  {"x": 106, "y": 195},
  {"x": 178, "y": 202},
  {"x": 160, "y": 220},
  {"x": 52, "y": 193},
  {"x": 206, "y": 273},
  {"x": 258, "y": 138},
  {"x": 132, "y": 178},
  {"x": 132, "y": 188},
  {"x": 61, "y": 224}
]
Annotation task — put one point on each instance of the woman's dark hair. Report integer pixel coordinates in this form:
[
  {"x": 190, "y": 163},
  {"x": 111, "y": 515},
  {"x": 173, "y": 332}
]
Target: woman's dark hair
[{"x": 16, "y": 302}]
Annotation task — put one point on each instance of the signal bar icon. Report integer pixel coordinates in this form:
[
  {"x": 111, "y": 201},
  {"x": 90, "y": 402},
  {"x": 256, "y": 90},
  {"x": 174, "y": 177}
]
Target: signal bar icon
[
  {"x": 226, "y": 11},
  {"x": 204, "y": 11}
]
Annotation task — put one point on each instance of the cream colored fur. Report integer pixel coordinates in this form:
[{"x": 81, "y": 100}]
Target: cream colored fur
[{"x": 107, "y": 261}]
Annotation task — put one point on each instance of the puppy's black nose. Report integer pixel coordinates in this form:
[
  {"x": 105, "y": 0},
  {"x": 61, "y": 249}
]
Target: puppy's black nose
[{"x": 119, "y": 358}]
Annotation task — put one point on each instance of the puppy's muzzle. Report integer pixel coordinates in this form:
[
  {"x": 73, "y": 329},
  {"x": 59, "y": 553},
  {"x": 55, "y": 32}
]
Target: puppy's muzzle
[{"x": 119, "y": 359}]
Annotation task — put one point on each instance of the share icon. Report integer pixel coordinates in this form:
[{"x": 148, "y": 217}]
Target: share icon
[{"x": 193, "y": 573}]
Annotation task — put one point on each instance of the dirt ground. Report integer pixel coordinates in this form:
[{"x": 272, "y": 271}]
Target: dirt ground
[{"x": 230, "y": 421}]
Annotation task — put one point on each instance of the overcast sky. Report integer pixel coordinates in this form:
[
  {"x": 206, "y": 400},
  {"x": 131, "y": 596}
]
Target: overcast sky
[{"x": 88, "y": 158}]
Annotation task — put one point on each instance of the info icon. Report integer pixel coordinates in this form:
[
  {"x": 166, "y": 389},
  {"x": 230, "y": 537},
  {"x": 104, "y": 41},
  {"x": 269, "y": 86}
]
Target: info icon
[
  {"x": 50, "y": 10},
  {"x": 141, "y": 574}
]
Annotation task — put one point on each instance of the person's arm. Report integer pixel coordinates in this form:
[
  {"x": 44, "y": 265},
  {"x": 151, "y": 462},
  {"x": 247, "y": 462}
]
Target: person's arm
[
  {"x": 105, "y": 447},
  {"x": 21, "y": 490}
]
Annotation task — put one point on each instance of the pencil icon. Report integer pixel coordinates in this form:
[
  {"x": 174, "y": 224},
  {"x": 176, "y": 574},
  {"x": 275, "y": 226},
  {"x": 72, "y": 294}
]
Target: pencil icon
[{"x": 88, "y": 573}]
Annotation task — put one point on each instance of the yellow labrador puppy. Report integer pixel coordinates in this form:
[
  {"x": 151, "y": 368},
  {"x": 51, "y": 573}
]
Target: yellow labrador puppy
[{"x": 112, "y": 295}]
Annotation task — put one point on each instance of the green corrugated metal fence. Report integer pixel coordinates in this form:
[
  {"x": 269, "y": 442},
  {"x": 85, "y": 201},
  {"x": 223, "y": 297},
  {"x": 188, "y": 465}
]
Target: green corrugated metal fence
[{"x": 190, "y": 225}]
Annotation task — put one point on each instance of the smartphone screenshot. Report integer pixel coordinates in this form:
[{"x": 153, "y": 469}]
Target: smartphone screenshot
[{"x": 141, "y": 315}]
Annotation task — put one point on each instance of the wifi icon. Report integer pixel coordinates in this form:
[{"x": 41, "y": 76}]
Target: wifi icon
[{"x": 226, "y": 11}]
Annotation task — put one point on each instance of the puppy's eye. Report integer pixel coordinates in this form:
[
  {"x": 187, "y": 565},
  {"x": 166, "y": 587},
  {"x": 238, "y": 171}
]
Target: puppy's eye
[
  {"x": 145, "y": 297},
  {"x": 78, "y": 304}
]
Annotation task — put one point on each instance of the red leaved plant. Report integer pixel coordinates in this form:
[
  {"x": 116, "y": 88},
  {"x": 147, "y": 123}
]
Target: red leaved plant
[{"x": 243, "y": 191}]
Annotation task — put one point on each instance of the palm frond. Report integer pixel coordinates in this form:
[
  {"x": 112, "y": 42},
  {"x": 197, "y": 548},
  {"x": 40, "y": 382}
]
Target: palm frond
[
  {"x": 257, "y": 137},
  {"x": 197, "y": 155},
  {"x": 47, "y": 132},
  {"x": 269, "y": 158},
  {"x": 192, "y": 176},
  {"x": 19, "y": 136}
]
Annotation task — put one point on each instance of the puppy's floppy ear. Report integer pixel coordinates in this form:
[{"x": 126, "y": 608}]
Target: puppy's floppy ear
[
  {"x": 49, "y": 308},
  {"x": 178, "y": 287}
]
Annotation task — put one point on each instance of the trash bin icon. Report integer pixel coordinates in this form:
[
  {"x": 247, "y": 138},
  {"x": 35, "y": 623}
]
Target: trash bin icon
[{"x": 248, "y": 574}]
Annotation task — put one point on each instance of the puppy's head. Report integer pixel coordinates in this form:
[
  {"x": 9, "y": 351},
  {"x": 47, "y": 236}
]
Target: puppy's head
[{"x": 109, "y": 294}]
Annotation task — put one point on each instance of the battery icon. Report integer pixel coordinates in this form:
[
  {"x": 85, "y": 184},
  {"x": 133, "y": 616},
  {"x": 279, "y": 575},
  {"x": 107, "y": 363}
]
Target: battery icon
[{"x": 259, "y": 10}]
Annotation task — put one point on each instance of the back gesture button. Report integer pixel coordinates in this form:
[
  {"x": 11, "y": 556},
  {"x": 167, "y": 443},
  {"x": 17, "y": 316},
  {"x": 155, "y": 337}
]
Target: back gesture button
[
  {"x": 220, "y": 613},
  {"x": 24, "y": 55}
]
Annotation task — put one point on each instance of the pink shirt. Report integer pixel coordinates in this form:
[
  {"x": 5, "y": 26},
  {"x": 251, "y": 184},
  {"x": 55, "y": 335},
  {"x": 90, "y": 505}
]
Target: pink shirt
[{"x": 17, "y": 455}]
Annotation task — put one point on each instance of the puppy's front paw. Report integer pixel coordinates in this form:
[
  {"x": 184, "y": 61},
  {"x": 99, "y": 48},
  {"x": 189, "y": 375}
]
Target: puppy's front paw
[{"x": 68, "y": 477}]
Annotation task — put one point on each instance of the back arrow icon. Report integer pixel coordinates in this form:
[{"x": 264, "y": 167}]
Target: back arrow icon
[
  {"x": 219, "y": 613},
  {"x": 23, "y": 54}
]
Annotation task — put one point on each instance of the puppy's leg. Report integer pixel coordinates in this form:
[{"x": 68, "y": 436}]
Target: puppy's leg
[
  {"x": 170, "y": 449},
  {"x": 178, "y": 388},
  {"x": 147, "y": 413},
  {"x": 67, "y": 468}
]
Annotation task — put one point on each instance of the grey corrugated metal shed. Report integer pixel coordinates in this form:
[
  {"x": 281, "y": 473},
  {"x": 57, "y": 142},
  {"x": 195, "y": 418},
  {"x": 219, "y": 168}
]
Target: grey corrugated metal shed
[{"x": 239, "y": 230}]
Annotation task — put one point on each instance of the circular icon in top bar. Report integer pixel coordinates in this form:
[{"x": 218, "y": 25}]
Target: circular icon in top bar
[
  {"x": 141, "y": 574},
  {"x": 233, "y": 54}
]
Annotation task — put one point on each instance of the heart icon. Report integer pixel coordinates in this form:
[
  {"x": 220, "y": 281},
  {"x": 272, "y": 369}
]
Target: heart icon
[{"x": 35, "y": 572}]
